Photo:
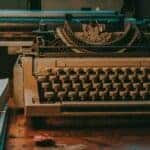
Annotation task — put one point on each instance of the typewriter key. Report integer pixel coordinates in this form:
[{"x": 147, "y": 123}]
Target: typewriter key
[
  {"x": 41, "y": 78},
  {"x": 56, "y": 87},
  {"x": 52, "y": 77},
  {"x": 107, "y": 86},
  {"x": 103, "y": 94},
  {"x": 93, "y": 77},
  {"x": 117, "y": 86},
  {"x": 145, "y": 95},
  {"x": 137, "y": 86},
  {"x": 102, "y": 77},
  {"x": 76, "y": 86},
  {"x": 96, "y": 70},
  {"x": 66, "y": 86},
  {"x": 80, "y": 71},
  {"x": 74, "y": 78},
  {"x": 83, "y": 95},
  {"x": 64, "y": 78},
  {"x": 124, "y": 94},
  {"x": 86, "y": 86},
  {"x": 134, "y": 94},
  {"x": 50, "y": 96},
  {"x": 114, "y": 95},
  {"x": 83, "y": 77},
  {"x": 146, "y": 86},
  {"x": 112, "y": 76},
  {"x": 127, "y": 86},
  {"x": 93, "y": 95},
  {"x": 72, "y": 95},
  {"x": 61, "y": 95},
  {"x": 97, "y": 85},
  {"x": 45, "y": 85}
]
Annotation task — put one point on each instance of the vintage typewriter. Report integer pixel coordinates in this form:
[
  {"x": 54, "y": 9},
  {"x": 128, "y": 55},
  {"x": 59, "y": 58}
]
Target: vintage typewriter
[{"x": 80, "y": 63}]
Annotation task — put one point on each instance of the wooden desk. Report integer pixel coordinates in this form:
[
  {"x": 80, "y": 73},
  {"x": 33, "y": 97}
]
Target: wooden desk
[{"x": 20, "y": 137}]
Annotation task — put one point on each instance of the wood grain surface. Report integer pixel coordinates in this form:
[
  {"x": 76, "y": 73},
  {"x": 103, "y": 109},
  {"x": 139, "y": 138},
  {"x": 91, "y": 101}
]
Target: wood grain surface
[{"x": 21, "y": 134}]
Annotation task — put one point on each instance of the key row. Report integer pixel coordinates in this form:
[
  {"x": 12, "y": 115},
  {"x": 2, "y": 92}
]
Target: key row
[
  {"x": 97, "y": 70},
  {"x": 97, "y": 86},
  {"x": 51, "y": 96},
  {"x": 95, "y": 78}
]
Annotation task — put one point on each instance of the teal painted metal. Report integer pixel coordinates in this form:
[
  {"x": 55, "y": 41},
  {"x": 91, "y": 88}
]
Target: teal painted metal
[
  {"x": 7, "y": 16},
  {"x": 58, "y": 16},
  {"x": 13, "y": 13}
]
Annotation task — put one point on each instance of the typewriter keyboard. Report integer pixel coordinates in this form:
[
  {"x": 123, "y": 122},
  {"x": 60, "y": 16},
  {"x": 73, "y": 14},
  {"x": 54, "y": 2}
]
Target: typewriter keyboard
[{"x": 94, "y": 84}]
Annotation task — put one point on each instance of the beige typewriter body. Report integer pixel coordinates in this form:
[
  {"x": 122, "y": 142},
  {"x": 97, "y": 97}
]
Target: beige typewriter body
[{"x": 26, "y": 92}]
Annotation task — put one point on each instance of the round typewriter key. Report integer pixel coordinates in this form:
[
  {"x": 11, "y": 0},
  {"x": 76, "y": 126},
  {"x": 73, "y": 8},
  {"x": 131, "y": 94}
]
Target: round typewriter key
[
  {"x": 41, "y": 78},
  {"x": 67, "y": 70},
  {"x": 134, "y": 70},
  {"x": 134, "y": 94},
  {"x": 45, "y": 85},
  {"x": 102, "y": 77},
  {"x": 56, "y": 87},
  {"x": 133, "y": 78},
  {"x": 141, "y": 77},
  {"x": 145, "y": 95},
  {"x": 117, "y": 86},
  {"x": 96, "y": 70},
  {"x": 103, "y": 95},
  {"x": 61, "y": 95},
  {"x": 80, "y": 71},
  {"x": 66, "y": 86},
  {"x": 115, "y": 70},
  {"x": 145, "y": 70},
  {"x": 52, "y": 77},
  {"x": 63, "y": 78},
  {"x": 83, "y": 77},
  {"x": 106, "y": 70},
  {"x": 97, "y": 85},
  {"x": 148, "y": 77},
  {"x": 93, "y": 77},
  {"x": 83, "y": 95},
  {"x": 72, "y": 95},
  {"x": 137, "y": 86},
  {"x": 93, "y": 95},
  {"x": 124, "y": 94},
  {"x": 76, "y": 86},
  {"x": 112, "y": 76},
  {"x": 54, "y": 71},
  {"x": 86, "y": 86},
  {"x": 61, "y": 71},
  {"x": 89, "y": 71},
  {"x": 127, "y": 86},
  {"x": 107, "y": 86},
  {"x": 122, "y": 77},
  {"x": 114, "y": 95},
  {"x": 74, "y": 78},
  {"x": 146, "y": 86},
  {"x": 70, "y": 71},
  {"x": 50, "y": 96},
  {"x": 122, "y": 70},
  {"x": 129, "y": 71}
]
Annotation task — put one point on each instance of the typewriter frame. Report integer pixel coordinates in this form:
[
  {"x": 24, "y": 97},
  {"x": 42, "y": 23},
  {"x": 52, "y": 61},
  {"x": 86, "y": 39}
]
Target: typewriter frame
[{"x": 28, "y": 89}]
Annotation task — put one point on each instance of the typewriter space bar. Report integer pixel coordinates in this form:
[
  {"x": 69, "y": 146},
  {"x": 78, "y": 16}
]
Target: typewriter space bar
[
  {"x": 119, "y": 106},
  {"x": 107, "y": 103}
]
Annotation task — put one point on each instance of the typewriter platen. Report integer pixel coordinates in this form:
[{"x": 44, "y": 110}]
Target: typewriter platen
[{"x": 84, "y": 64}]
